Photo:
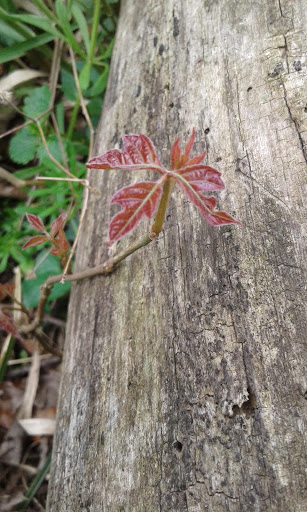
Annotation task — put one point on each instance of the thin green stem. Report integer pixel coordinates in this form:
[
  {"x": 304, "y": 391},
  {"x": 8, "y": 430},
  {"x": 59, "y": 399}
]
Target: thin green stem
[
  {"x": 160, "y": 215},
  {"x": 94, "y": 31}
]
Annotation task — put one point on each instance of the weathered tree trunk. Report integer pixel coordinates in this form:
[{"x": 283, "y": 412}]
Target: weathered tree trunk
[{"x": 183, "y": 385}]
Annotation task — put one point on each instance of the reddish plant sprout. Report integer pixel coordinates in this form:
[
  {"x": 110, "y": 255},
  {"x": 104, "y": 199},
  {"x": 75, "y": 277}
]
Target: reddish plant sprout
[
  {"x": 56, "y": 236},
  {"x": 143, "y": 199}
]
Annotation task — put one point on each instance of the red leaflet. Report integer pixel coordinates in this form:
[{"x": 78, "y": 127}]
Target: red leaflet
[
  {"x": 137, "y": 200},
  {"x": 57, "y": 224},
  {"x": 201, "y": 176},
  {"x": 7, "y": 323},
  {"x": 139, "y": 153},
  {"x": 36, "y": 240},
  {"x": 205, "y": 204},
  {"x": 36, "y": 222}
]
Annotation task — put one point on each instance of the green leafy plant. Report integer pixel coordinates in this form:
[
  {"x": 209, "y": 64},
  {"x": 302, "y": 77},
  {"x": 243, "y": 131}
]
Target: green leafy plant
[{"x": 52, "y": 140}]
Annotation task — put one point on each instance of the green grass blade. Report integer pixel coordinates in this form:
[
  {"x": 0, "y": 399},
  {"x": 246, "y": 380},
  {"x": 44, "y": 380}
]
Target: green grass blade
[
  {"x": 82, "y": 24},
  {"x": 84, "y": 77},
  {"x": 36, "y": 21},
  {"x": 44, "y": 9},
  {"x": 60, "y": 117},
  {"x": 19, "y": 49},
  {"x": 35, "y": 485},
  {"x": 100, "y": 84},
  {"x": 63, "y": 21},
  {"x": 37, "y": 210},
  {"x": 7, "y": 30}
]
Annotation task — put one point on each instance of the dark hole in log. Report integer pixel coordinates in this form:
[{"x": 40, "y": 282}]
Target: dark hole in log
[
  {"x": 247, "y": 408},
  {"x": 178, "y": 446}
]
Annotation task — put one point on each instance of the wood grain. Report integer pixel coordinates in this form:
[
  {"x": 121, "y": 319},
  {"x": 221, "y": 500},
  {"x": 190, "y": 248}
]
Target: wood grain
[{"x": 183, "y": 384}]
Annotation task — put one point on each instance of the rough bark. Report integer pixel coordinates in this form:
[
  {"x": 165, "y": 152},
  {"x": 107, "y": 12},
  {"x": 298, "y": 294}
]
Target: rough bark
[{"x": 183, "y": 385}]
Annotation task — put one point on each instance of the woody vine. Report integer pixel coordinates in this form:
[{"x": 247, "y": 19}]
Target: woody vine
[{"x": 146, "y": 198}]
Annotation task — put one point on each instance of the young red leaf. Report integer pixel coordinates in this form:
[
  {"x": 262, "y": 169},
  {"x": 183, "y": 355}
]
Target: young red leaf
[
  {"x": 8, "y": 325},
  {"x": 36, "y": 222},
  {"x": 204, "y": 204},
  {"x": 137, "y": 200},
  {"x": 139, "y": 153},
  {"x": 57, "y": 224},
  {"x": 179, "y": 161},
  {"x": 35, "y": 240}
]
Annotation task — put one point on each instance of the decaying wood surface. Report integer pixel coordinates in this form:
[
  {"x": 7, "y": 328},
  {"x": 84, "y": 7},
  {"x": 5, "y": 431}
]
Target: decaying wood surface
[{"x": 183, "y": 382}]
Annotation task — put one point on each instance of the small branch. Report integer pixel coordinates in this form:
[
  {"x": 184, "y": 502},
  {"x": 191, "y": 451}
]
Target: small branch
[
  {"x": 8, "y": 176},
  {"x": 45, "y": 292},
  {"x": 23, "y": 125},
  {"x": 104, "y": 269},
  {"x": 12, "y": 192}
]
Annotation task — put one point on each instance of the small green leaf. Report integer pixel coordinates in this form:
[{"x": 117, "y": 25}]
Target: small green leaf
[
  {"x": 3, "y": 262},
  {"x": 94, "y": 109},
  {"x": 68, "y": 85},
  {"x": 37, "y": 101},
  {"x": 31, "y": 288},
  {"x": 84, "y": 77},
  {"x": 23, "y": 146},
  {"x": 49, "y": 264},
  {"x": 100, "y": 84},
  {"x": 54, "y": 148},
  {"x": 108, "y": 52}
]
